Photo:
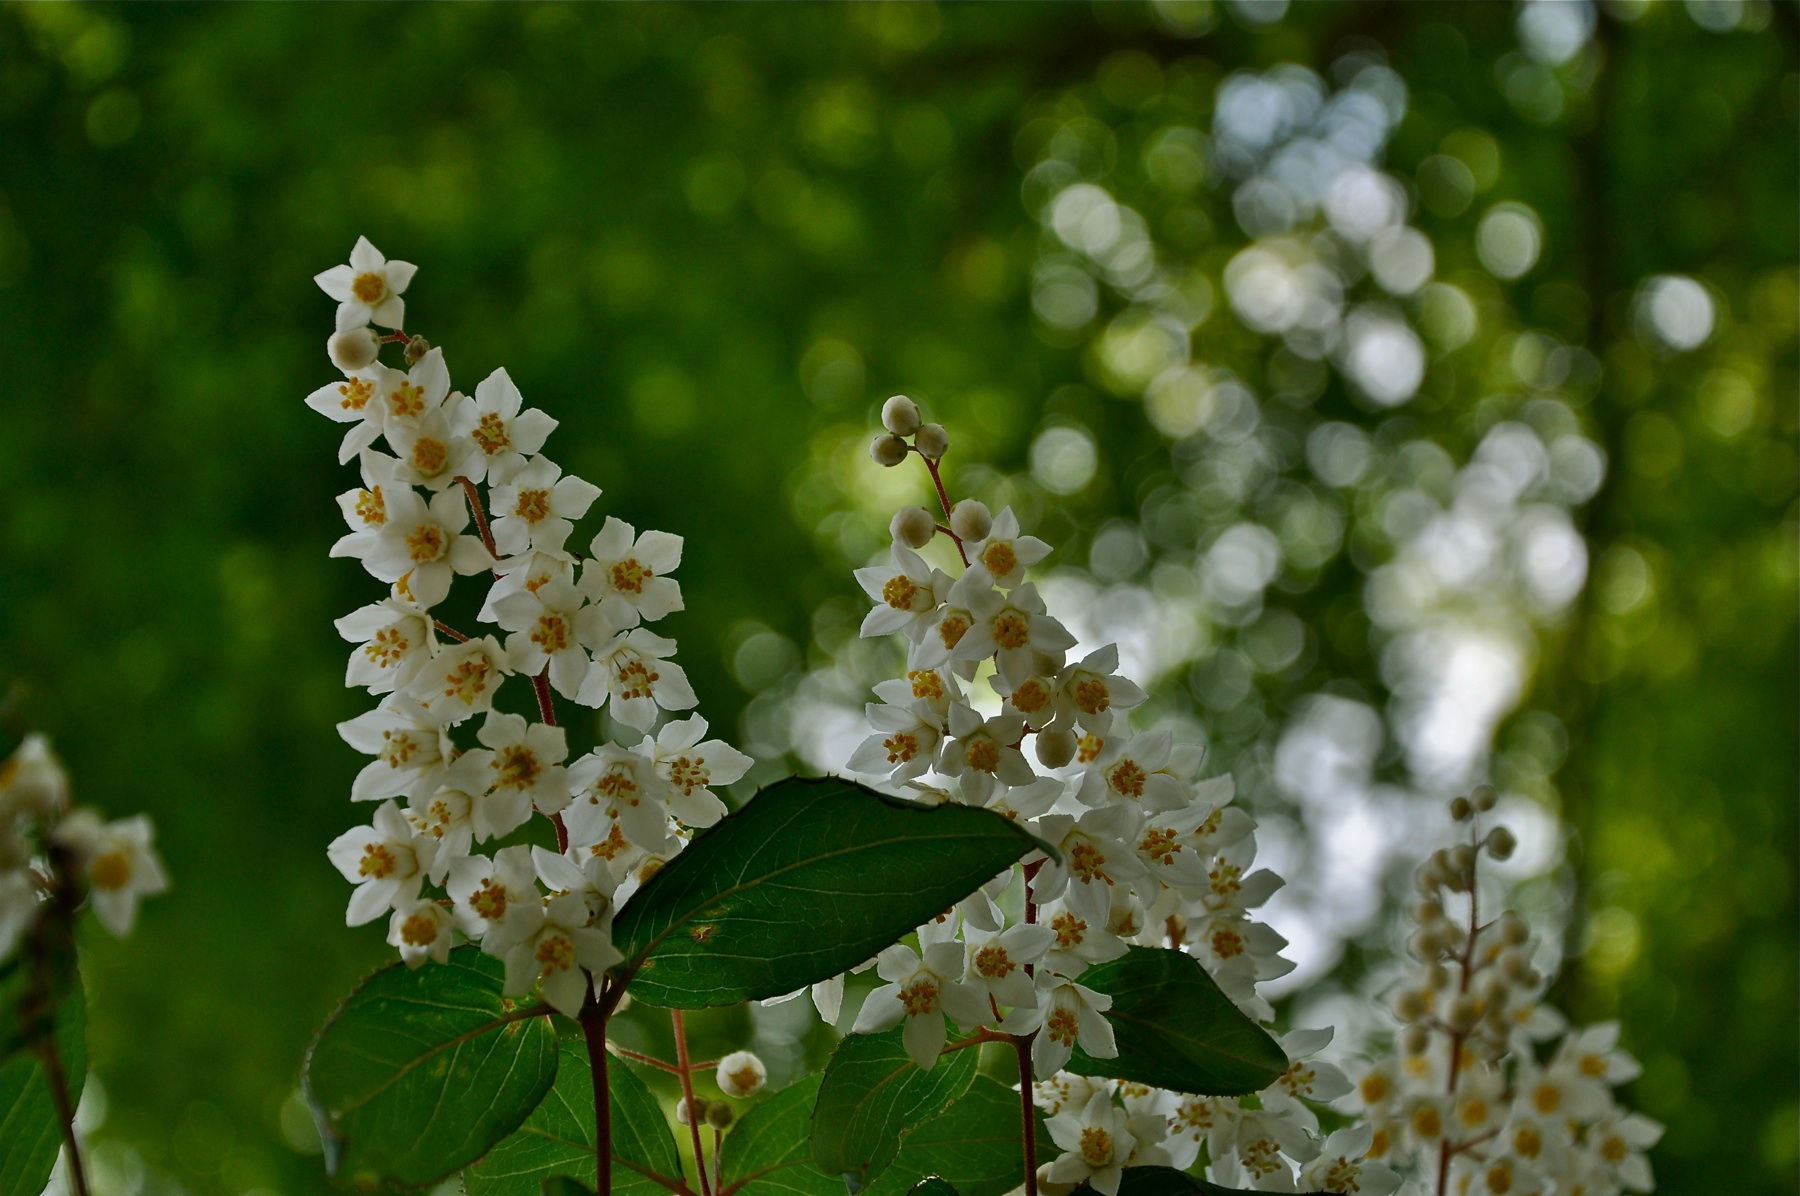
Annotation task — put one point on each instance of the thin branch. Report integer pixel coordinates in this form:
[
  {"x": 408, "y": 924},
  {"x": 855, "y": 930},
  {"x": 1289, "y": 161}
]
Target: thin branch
[
  {"x": 687, "y": 1094},
  {"x": 937, "y": 479},
  {"x": 65, "y": 1112},
  {"x": 445, "y": 629},
  {"x": 649, "y": 1060},
  {"x": 475, "y": 509},
  {"x": 593, "y": 1029},
  {"x": 1027, "y": 1111}
]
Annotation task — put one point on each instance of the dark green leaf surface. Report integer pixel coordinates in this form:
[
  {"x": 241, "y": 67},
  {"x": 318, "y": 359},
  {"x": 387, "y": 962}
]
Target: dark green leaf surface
[
  {"x": 566, "y": 1185},
  {"x": 873, "y": 1092},
  {"x": 420, "y": 1072},
  {"x": 807, "y": 880},
  {"x": 974, "y": 1144},
  {"x": 30, "y": 1134},
  {"x": 933, "y": 1186},
  {"x": 769, "y": 1152},
  {"x": 1176, "y": 1030},
  {"x": 558, "y": 1138}
]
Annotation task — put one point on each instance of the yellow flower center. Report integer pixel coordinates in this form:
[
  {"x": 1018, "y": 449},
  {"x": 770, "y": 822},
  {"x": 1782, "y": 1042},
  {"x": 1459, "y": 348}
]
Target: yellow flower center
[
  {"x": 983, "y": 755},
  {"x": 1613, "y": 1149},
  {"x": 1500, "y": 1178},
  {"x": 1426, "y": 1123},
  {"x": 1128, "y": 778},
  {"x": 1087, "y": 748},
  {"x": 533, "y": 506},
  {"x": 628, "y": 576},
  {"x": 1096, "y": 1146},
  {"x": 369, "y": 288},
  {"x": 1225, "y": 881},
  {"x": 419, "y": 930},
  {"x": 1070, "y": 930},
  {"x": 1012, "y": 631},
  {"x": 555, "y": 954},
  {"x": 429, "y": 455},
  {"x": 518, "y": 767},
  {"x": 357, "y": 392},
  {"x": 926, "y": 683},
  {"x": 610, "y": 847},
  {"x": 425, "y": 543},
  {"x": 993, "y": 962},
  {"x": 378, "y": 861},
  {"x": 637, "y": 680},
  {"x": 111, "y": 870},
  {"x": 1227, "y": 943},
  {"x": 387, "y": 647},
  {"x": 999, "y": 558},
  {"x": 1088, "y": 863},
  {"x": 1527, "y": 1142},
  {"x": 552, "y": 634},
  {"x": 744, "y": 1078},
  {"x": 399, "y": 748},
  {"x": 407, "y": 400},
  {"x": 899, "y": 592},
  {"x": 1593, "y": 1066},
  {"x": 371, "y": 508},
  {"x": 1374, "y": 1088},
  {"x": 1062, "y": 1026},
  {"x": 618, "y": 786},
  {"x": 491, "y": 435},
  {"x": 467, "y": 681},
  {"x": 921, "y": 996},
  {"x": 952, "y": 629},
  {"x": 901, "y": 747},
  {"x": 1031, "y": 697},
  {"x": 1546, "y": 1099},
  {"x": 1092, "y": 696},
  {"x": 1159, "y": 844}
]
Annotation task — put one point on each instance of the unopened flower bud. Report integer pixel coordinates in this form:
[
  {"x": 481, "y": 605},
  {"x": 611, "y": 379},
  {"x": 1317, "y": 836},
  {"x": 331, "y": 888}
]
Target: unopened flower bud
[
  {"x": 1462, "y": 859},
  {"x": 971, "y": 520},
  {"x": 32, "y": 780},
  {"x": 1410, "y": 1005},
  {"x": 1055, "y": 748},
  {"x": 1416, "y": 1040},
  {"x": 1463, "y": 1012},
  {"x": 354, "y": 349},
  {"x": 1483, "y": 798},
  {"x": 1428, "y": 913},
  {"x": 692, "y": 1114},
  {"x": 900, "y": 415},
  {"x": 888, "y": 450},
  {"x": 416, "y": 348},
  {"x": 1438, "y": 977},
  {"x": 932, "y": 441},
  {"x": 1461, "y": 810},
  {"x": 718, "y": 1115},
  {"x": 1516, "y": 966},
  {"x": 1513, "y": 929},
  {"x": 1501, "y": 843},
  {"x": 912, "y": 527},
  {"x": 741, "y": 1073}
]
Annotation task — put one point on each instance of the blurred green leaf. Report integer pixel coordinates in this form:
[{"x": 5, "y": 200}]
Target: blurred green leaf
[
  {"x": 1176, "y": 1030},
  {"x": 810, "y": 878},
  {"x": 30, "y": 1131},
  {"x": 421, "y": 1071},
  {"x": 974, "y": 1144},
  {"x": 769, "y": 1152}
]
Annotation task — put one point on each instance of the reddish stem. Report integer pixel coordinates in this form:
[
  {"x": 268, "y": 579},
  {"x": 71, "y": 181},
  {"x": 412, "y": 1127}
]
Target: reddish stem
[
  {"x": 593, "y": 1029},
  {"x": 1457, "y": 1037},
  {"x": 475, "y": 509},
  {"x": 687, "y": 1094},
  {"x": 1028, "y": 1111},
  {"x": 937, "y": 479},
  {"x": 445, "y": 629}
]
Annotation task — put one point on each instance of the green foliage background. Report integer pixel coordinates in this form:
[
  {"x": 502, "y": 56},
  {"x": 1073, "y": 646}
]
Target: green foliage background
[{"x": 669, "y": 223}]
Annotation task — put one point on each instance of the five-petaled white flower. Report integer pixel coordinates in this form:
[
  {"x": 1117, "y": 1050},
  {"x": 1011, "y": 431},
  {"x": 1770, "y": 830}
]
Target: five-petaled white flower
[
  {"x": 368, "y": 290},
  {"x": 462, "y": 679},
  {"x": 533, "y": 510},
  {"x": 120, "y": 864},
  {"x": 691, "y": 767},
  {"x": 559, "y": 953},
  {"x": 410, "y": 745},
  {"x": 906, "y": 595},
  {"x": 527, "y": 759},
  {"x": 629, "y": 574},
  {"x": 922, "y": 991},
  {"x": 382, "y": 861},
  {"x": 421, "y": 929},
  {"x": 1005, "y": 554},
  {"x": 394, "y": 638},
  {"x": 1096, "y": 1140},
  {"x": 497, "y": 900},
  {"x": 553, "y": 627},
  {"x": 505, "y": 435},
  {"x": 419, "y": 547},
  {"x": 634, "y": 670}
]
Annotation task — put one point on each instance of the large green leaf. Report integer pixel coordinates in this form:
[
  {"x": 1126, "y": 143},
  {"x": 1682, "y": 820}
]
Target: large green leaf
[
  {"x": 769, "y": 1152},
  {"x": 807, "y": 880},
  {"x": 30, "y": 1131},
  {"x": 872, "y": 1092},
  {"x": 421, "y": 1071},
  {"x": 1176, "y": 1030},
  {"x": 974, "y": 1144},
  {"x": 558, "y": 1138},
  {"x": 933, "y": 1186},
  {"x": 1166, "y": 1181}
]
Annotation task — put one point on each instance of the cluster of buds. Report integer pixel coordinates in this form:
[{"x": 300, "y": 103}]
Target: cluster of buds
[
  {"x": 1147, "y": 853},
  {"x": 575, "y": 627},
  {"x": 1490, "y": 1092},
  {"x": 52, "y": 857}
]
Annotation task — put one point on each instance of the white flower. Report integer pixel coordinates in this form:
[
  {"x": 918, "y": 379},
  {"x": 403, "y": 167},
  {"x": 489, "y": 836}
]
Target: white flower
[
  {"x": 590, "y": 875},
  {"x": 382, "y": 861},
  {"x": 410, "y": 747},
  {"x": 365, "y": 508},
  {"x": 361, "y": 399},
  {"x": 741, "y": 1074},
  {"x": 981, "y": 752},
  {"x": 448, "y": 816},
  {"x": 32, "y": 780},
  {"x": 1005, "y": 554},
  {"x": 119, "y": 862},
  {"x": 419, "y": 547},
  {"x": 1306, "y": 1079},
  {"x": 1079, "y": 941},
  {"x": 906, "y": 595},
  {"x": 368, "y": 290},
  {"x": 922, "y": 991},
  {"x": 533, "y": 510},
  {"x": 1621, "y": 1140},
  {"x": 1065, "y": 1014},
  {"x": 18, "y": 906},
  {"x": 1171, "y": 851},
  {"x": 1248, "y": 1150},
  {"x": 552, "y": 628},
  {"x": 1131, "y": 771},
  {"x": 421, "y": 929},
  {"x": 1014, "y": 630},
  {"x": 905, "y": 741},
  {"x": 629, "y": 575},
  {"x": 529, "y": 571},
  {"x": 527, "y": 759},
  {"x": 503, "y": 433},
  {"x": 1096, "y": 1141},
  {"x": 395, "y": 640},
  {"x": 462, "y": 679},
  {"x": 997, "y": 962},
  {"x": 1088, "y": 690},
  {"x": 1095, "y": 858},
  {"x": 634, "y": 670},
  {"x": 435, "y": 449},
  {"x": 425, "y": 387},
  {"x": 555, "y": 953},
  {"x": 614, "y": 786},
  {"x": 691, "y": 767},
  {"x": 497, "y": 900}
]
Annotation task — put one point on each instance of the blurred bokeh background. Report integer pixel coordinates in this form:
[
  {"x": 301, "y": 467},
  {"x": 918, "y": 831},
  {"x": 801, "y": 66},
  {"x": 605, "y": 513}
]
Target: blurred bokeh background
[{"x": 1409, "y": 387}]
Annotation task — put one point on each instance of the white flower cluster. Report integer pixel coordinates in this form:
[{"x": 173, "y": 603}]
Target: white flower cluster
[
  {"x": 114, "y": 861},
  {"x": 1491, "y": 1093},
  {"x": 1147, "y": 853},
  {"x": 575, "y": 627}
]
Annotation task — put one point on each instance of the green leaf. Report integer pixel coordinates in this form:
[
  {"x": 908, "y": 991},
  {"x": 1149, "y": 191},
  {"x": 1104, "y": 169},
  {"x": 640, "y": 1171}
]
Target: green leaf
[
  {"x": 769, "y": 1152},
  {"x": 974, "y": 1144},
  {"x": 807, "y": 880},
  {"x": 871, "y": 1093},
  {"x": 932, "y": 1186},
  {"x": 566, "y": 1185},
  {"x": 557, "y": 1140},
  {"x": 30, "y": 1131},
  {"x": 420, "y": 1072},
  {"x": 1176, "y": 1030},
  {"x": 1166, "y": 1181}
]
